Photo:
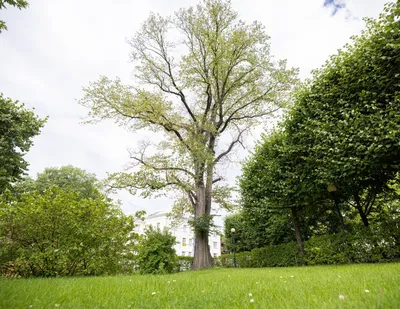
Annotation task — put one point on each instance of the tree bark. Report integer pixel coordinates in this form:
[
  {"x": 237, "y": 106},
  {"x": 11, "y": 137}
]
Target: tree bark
[
  {"x": 336, "y": 201},
  {"x": 363, "y": 215},
  {"x": 297, "y": 230},
  {"x": 202, "y": 256}
]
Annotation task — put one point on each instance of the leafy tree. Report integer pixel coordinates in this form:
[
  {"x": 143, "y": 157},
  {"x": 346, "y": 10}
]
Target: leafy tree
[
  {"x": 156, "y": 253},
  {"x": 20, "y": 4},
  {"x": 204, "y": 103},
  {"x": 17, "y": 128},
  {"x": 65, "y": 177},
  {"x": 348, "y": 115},
  {"x": 57, "y": 233}
]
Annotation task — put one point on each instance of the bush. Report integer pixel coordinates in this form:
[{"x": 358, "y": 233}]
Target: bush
[
  {"x": 363, "y": 245},
  {"x": 57, "y": 233},
  {"x": 184, "y": 263},
  {"x": 156, "y": 252}
]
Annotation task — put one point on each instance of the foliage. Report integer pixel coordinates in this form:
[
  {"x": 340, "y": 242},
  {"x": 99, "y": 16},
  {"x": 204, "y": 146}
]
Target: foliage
[
  {"x": 348, "y": 116},
  {"x": 272, "y": 256},
  {"x": 57, "y": 233},
  {"x": 223, "y": 85},
  {"x": 363, "y": 245},
  {"x": 202, "y": 225},
  {"x": 20, "y": 4},
  {"x": 156, "y": 254},
  {"x": 67, "y": 177},
  {"x": 17, "y": 128},
  {"x": 184, "y": 263}
]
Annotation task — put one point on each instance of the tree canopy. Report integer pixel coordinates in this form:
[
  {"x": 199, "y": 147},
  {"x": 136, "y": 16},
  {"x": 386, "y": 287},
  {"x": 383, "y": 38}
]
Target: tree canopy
[
  {"x": 18, "y": 126},
  {"x": 204, "y": 79}
]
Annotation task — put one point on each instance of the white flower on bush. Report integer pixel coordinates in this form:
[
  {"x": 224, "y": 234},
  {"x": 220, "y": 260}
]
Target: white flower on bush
[
  {"x": 341, "y": 297},
  {"x": 366, "y": 291},
  {"x": 252, "y": 300},
  {"x": 250, "y": 295},
  {"x": 154, "y": 293}
]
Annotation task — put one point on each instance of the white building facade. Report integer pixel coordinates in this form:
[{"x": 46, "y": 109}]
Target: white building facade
[{"x": 183, "y": 233}]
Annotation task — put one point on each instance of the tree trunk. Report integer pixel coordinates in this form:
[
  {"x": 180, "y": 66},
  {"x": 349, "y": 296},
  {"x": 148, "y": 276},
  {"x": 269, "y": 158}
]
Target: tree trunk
[
  {"x": 336, "y": 201},
  {"x": 202, "y": 256},
  {"x": 363, "y": 215},
  {"x": 297, "y": 230}
]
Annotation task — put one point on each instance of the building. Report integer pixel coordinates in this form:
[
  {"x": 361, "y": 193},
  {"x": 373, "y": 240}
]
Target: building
[{"x": 184, "y": 234}]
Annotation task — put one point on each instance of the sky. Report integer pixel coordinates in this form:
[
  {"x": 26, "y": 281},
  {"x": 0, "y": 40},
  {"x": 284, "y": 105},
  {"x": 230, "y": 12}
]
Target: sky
[{"x": 55, "y": 47}]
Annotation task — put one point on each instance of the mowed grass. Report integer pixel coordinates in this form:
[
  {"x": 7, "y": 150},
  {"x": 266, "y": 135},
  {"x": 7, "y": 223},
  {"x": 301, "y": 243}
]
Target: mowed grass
[{"x": 363, "y": 286}]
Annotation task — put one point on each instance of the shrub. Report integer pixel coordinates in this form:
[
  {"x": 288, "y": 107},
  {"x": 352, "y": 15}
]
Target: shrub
[
  {"x": 184, "y": 263},
  {"x": 363, "y": 245},
  {"x": 156, "y": 254}
]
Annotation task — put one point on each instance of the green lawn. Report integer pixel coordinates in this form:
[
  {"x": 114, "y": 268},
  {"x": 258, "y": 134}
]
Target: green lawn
[{"x": 363, "y": 286}]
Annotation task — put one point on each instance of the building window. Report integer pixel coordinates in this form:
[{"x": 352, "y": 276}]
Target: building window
[
  {"x": 215, "y": 234},
  {"x": 215, "y": 245},
  {"x": 190, "y": 253},
  {"x": 184, "y": 228},
  {"x": 215, "y": 255},
  {"x": 158, "y": 225},
  {"x": 190, "y": 241},
  {"x": 183, "y": 241},
  {"x": 183, "y": 253}
]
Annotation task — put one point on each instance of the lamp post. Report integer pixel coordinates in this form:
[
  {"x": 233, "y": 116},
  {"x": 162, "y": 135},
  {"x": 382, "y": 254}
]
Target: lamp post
[
  {"x": 332, "y": 189},
  {"x": 233, "y": 231}
]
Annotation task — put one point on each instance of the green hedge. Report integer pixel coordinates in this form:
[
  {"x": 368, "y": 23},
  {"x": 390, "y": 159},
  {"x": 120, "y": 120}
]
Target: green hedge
[
  {"x": 184, "y": 263},
  {"x": 360, "y": 246}
]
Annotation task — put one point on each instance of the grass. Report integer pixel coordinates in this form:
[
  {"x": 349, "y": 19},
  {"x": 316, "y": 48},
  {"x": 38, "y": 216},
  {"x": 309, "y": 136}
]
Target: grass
[{"x": 300, "y": 287}]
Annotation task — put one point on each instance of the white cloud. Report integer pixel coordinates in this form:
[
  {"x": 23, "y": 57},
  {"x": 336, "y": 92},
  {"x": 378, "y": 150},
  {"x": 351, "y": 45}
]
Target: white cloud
[{"x": 54, "y": 48}]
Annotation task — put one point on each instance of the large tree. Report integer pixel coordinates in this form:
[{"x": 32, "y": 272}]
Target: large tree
[
  {"x": 18, "y": 126},
  {"x": 205, "y": 90}
]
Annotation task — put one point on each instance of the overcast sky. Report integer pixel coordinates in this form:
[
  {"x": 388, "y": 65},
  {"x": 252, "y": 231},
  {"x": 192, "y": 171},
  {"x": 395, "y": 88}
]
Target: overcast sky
[{"x": 55, "y": 47}]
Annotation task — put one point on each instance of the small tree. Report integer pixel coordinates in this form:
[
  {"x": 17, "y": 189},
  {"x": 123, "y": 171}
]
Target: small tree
[
  {"x": 205, "y": 103},
  {"x": 156, "y": 252}
]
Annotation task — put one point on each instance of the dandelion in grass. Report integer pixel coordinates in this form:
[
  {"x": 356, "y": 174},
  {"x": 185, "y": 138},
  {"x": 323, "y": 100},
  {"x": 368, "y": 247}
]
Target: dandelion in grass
[
  {"x": 202, "y": 291},
  {"x": 280, "y": 277},
  {"x": 154, "y": 293},
  {"x": 252, "y": 300},
  {"x": 341, "y": 297},
  {"x": 250, "y": 295},
  {"x": 340, "y": 276},
  {"x": 291, "y": 276},
  {"x": 366, "y": 291},
  {"x": 56, "y": 305},
  {"x": 229, "y": 275},
  {"x": 173, "y": 280},
  {"x": 256, "y": 282}
]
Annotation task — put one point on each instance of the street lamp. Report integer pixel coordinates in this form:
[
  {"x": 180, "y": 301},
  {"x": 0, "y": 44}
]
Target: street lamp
[
  {"x": 332, "y": 189},
  {"x": 233, "y": 231}
]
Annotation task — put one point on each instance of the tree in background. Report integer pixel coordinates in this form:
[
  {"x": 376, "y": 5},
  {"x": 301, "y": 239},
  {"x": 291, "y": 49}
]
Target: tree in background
[
  {"x": 68, "y": 178},
  {"x": 204, "y": 102},
  {"x": 17, "y": 128},
  {"x": 20, "y": 4},
  {"x": 156, "y": 253}
]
